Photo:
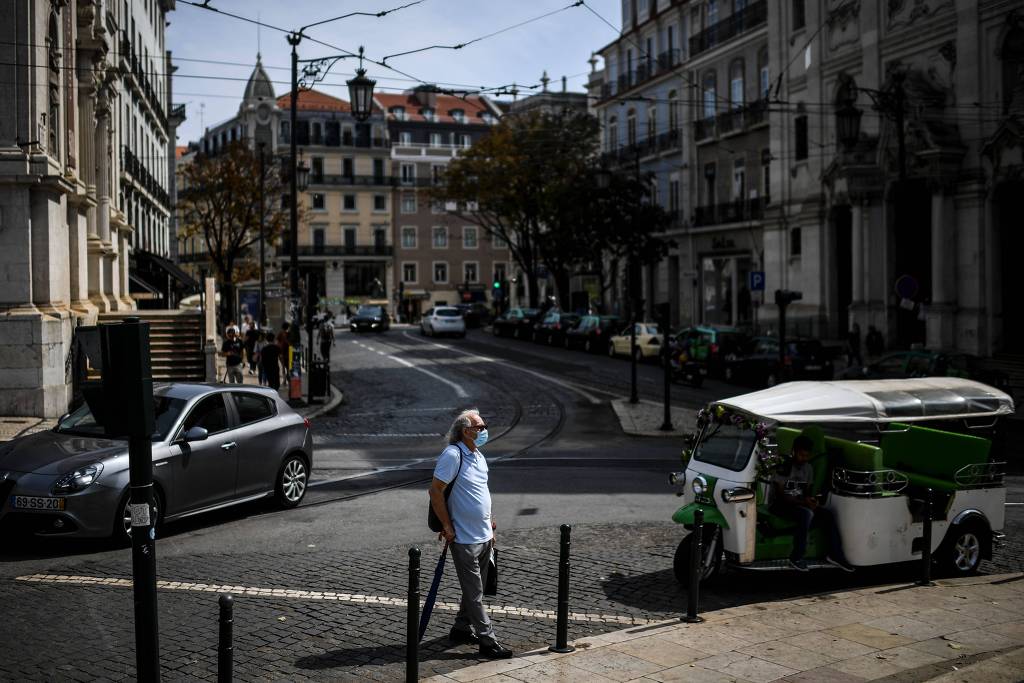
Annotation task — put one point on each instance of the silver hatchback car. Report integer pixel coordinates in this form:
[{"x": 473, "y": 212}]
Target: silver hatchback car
[{"x": 214, "y": 445}]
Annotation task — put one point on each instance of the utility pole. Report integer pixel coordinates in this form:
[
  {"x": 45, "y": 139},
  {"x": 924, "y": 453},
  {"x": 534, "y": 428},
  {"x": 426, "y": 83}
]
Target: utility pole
[
  {"x": 263, "y": 239},
  {"x": 294, "y": 39}
]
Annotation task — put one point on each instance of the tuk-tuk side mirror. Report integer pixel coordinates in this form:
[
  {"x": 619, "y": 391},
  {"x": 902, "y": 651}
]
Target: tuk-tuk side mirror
[{"x": 690, "y": 439}]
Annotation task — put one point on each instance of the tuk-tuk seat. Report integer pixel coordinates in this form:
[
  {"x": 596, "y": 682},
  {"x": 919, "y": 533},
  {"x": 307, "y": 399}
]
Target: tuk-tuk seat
[
  {"x": 820, "y": 461},
  {"x": 930, "y": 458}
]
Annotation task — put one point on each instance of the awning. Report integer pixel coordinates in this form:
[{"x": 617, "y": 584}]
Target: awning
[{"x": 884, "y": 400}]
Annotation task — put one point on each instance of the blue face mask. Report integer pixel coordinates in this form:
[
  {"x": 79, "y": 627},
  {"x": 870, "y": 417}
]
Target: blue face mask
[{"x": 481, "y": 438}]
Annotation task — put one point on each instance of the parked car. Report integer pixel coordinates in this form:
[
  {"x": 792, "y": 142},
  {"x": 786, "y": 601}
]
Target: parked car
[
  {"x": 592, "y": 333},
  {"x": 758, "y": 363},
  {"x": 923, "y": 363},
  {"x": 708, "y": 345},
  {"x": 551, "y": 330},
  {"x": 648, "y": 341},
  {"x": 214, "y": 445},
  {"x": 443, "y": 320},
  {"x": 515, "y": 322},
  {"x": 370, "y": 319},
  {"x": 475, "y": 314}
]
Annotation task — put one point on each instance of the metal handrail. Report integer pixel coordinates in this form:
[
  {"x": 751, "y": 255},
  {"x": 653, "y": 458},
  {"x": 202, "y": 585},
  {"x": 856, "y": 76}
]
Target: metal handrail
[
  {"x": 868, "y": 483},
  {"x": 980, "y": 475}
]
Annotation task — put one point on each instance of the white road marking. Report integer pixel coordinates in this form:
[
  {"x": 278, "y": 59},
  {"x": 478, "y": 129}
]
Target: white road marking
[
  {"x": 1015, "y": 504},
  {"x": 562, "y": 383},
  {"x": 459, "y": 391},
  {"x": 356, "y": 598}
]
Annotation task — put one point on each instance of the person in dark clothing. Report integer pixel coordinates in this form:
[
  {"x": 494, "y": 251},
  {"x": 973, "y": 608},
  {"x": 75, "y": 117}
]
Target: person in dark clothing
[
  {"x": 282, "y": 345},
  {"x": 251, "y": 336},
  {"x": 853, "y": 347},
  {"x": 874, "y": 342},
  {"x": 231, "y": 349},
  {"x": 270, "y": 357}
]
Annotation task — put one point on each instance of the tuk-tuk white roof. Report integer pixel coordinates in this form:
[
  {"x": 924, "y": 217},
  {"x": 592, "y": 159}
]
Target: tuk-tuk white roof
[{"x": 884, "y": 400}]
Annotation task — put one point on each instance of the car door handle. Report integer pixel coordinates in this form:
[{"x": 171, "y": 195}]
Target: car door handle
[{"x": 229, "y": 446}]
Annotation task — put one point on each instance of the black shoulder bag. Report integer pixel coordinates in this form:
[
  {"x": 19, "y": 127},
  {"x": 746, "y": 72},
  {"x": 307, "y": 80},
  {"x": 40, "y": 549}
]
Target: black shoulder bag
[{"x": 432, "y": 519}]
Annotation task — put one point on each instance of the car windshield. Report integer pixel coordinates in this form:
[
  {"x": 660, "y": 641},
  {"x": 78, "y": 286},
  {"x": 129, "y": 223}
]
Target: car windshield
[
  {"x": 165, "y": 412},
  {"x": 726, "y": 446},
  {"x": 369, "y": 310},
  {"x": 448, "y": 313}
]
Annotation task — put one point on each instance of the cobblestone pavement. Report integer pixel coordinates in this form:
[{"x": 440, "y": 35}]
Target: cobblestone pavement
[{"x": 620, "y": 574}]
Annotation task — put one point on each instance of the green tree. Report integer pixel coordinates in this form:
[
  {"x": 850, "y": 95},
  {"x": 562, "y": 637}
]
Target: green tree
[{"x": 219, "y": 202}]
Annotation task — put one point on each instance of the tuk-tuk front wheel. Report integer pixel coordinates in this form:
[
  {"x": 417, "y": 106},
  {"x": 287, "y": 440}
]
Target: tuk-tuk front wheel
[
  {"x": 962, "y": 549},
  {"x": 711, "y": 555}
]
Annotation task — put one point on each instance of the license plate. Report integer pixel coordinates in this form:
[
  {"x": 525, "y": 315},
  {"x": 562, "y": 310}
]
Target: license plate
[
  {"x": 36, "y": 503},
  {"x": 812, "y": 367}
]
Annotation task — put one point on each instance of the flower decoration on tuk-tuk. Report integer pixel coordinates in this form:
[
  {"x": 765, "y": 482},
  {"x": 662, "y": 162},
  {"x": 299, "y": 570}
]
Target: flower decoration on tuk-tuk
[{"x": 768, "y": 458}]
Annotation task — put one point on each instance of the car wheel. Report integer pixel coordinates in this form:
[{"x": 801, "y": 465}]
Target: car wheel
[
  {"x": 566, "y": 344},
  {"x": 422, "y": 331},
  {"x": 729, "y": 374},
  {"x": 611, "y": 349},
  {"x": 461, "y": 335},
  {"x": 292, "y": 480},
  {"x": 962, "y": 549},
  {"x": 638, "y": 354},
  {"x": 495, "y": 331},
  {"x": 123, "y": 521},
  {"x": 711, "y": 556},
  {"x": 588, "y": 346},
  {"x": 771, "y": 380}
]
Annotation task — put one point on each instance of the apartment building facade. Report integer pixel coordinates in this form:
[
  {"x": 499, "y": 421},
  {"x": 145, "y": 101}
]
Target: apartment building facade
[
  {"x": 439, "y": 258},
  {"x": 920, "y": 244},
  {"x": 681, "y": 102},
  {"x": 84, "y": 135}
]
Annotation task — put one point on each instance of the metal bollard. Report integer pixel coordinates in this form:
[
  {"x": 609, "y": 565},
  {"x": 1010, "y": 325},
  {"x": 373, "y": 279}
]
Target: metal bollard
[
  {"x": 562, "y": 626},
  {"x": 412, "y": 630},
  {"x": 225, "y": 648},
  {"x": 696, "y": 569},
  {"x": 926, "y": 550}
]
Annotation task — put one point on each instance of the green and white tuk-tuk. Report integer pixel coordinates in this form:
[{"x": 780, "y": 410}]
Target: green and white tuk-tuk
[{"x": 876, "y": 453}]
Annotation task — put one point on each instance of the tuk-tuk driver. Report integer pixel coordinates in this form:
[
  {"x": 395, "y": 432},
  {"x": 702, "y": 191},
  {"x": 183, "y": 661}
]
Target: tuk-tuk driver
[{"x": 793, "y": 499}]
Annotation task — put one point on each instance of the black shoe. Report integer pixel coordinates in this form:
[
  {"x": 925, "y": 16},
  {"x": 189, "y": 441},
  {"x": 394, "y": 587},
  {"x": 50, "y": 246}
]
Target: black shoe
[
  {"x": 495, "y": 651},
  {"x": 457, "y": 635}
]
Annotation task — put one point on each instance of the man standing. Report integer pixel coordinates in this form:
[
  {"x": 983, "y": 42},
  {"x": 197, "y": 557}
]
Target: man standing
[
  {"x": 231, "y": 349},
  {"x": 326, "y": 334},
  {"x": 793, "y": 499},
  {"x": 468, "y": 527}
]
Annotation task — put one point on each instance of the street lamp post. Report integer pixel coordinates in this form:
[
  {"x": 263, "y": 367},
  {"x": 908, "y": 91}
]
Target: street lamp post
[{"x": 263, "y": 239}]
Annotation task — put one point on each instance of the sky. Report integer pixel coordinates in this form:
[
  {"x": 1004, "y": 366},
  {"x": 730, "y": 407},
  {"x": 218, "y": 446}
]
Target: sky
[{"x": 560, "y": 43}]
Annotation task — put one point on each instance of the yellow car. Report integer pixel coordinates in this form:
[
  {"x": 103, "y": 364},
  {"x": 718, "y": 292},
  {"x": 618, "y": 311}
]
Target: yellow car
[{"x": 648, "y": 342}]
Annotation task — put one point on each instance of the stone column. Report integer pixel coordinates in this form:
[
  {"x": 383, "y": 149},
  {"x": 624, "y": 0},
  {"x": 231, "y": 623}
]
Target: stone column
[
  {"x": 95, "y": 247},
  {"x": 939, "y": 315}
]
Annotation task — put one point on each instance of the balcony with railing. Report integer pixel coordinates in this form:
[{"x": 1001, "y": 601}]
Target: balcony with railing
[
  {"x": 664, "y": 63},
  {"x": 732, "y": 122},
  {"x": 729, "y": 212},
  {"x": 750, "y": 17}
]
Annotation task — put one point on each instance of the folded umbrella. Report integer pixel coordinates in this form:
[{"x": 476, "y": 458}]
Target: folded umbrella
[{"x": 428, "y": 604}]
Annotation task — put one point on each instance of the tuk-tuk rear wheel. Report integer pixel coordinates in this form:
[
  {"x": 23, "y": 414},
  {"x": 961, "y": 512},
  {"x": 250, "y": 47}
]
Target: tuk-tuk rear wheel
[
  {"x": 963, "y": 549},
  {"x": 711, "y": 558}
]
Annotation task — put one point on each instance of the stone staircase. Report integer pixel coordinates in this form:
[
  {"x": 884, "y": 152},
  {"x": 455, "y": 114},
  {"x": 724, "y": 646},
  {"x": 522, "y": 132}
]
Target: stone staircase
[{"x": 175, "y": 342}]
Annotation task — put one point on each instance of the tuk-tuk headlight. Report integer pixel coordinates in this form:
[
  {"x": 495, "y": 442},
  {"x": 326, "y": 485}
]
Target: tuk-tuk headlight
[
  {"x": 700, "y": 485},
  {"x": 737, "y": 495},
  {"x": 677, "y": 478}
]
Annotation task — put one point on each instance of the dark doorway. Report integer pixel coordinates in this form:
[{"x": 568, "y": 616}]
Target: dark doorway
[
  {"x": 911, "y": 232},
  {"x": 1009, "y": 211},
  {"x": 842, "y": 223}
]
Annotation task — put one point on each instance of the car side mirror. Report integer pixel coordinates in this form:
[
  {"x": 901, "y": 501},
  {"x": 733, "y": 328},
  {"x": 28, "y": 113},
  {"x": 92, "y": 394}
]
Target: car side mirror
[{"x": 196, "y": 434}]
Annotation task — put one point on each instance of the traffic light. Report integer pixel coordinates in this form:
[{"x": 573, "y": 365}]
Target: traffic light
[
  {"x": 498, "y": 290},
  {"x": 784, "y": 297},
  {"x": 121, "y": 397}
]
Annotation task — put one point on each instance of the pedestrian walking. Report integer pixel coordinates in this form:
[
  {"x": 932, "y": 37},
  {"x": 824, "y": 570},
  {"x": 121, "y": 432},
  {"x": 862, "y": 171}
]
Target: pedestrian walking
[
  {"x": 250, "y": 336},
  {"x": 270, "y": 356},
  {"x": 231, "y": 350},
  {"x": 261, "y": 342},
  {"x": 468, "y": 527},
  {"x": 874, "y": 342},
  {"x": 283, "y": 344},
  {"x": 326, "y": 334},
  {"x": 853, "y": 357}
]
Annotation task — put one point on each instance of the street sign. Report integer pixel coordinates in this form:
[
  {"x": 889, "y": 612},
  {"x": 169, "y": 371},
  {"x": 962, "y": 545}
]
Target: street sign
[{"x": 757, "y": 281}]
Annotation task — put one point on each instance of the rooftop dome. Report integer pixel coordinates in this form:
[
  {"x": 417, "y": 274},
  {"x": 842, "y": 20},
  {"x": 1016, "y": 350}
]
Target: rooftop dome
[{"x": 259, "y": 86}]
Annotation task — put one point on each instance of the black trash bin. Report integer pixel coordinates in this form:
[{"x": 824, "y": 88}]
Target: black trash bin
[{"x": 319, "y": 381}]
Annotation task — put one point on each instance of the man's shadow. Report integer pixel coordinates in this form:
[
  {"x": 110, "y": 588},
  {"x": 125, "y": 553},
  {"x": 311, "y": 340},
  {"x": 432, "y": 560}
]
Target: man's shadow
[{"x": 438, "y": 649}]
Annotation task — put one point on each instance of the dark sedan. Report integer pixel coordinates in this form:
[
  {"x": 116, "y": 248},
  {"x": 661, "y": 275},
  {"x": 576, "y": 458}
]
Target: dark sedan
[
  {"x": 923, "y": 363},
  {"x": 516, "y": 322},
  {"x": 551, "y": 330},
  {"x": 214, "y": 445},
  {"x": 592, "y": 333},
  {"x": 758, "y": 362},
  {"x": 475, "y": 315},
  {"x": 370, "y": 319}
]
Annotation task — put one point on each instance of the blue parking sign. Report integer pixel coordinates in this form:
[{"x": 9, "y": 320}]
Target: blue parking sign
[{"x": 757, "y": 281}]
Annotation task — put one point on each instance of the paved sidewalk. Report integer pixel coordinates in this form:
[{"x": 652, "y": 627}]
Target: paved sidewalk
[
  {"x": 958, "y": 630},
  {"x": 646, "y": 417}
]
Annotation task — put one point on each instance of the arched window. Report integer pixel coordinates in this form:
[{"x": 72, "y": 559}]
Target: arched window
[
  {"x": 764, "y": 76},
  {"x": 631, "y": 127},
  {"x": 1012, "y": 55},
  {"x": 652, "y": 122},
  {"x": 709, "y": 90},
  {"x": 673, "y": 110},
  {"x": 736, "y": 84},
  {"x": 54, "y": 58},
  {"x": 613, "y": 134}
]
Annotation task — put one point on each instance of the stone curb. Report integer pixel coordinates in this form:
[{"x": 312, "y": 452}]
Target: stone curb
[
  {"x": 337, "y": 396},
  {"x": 645, "y": 418}
]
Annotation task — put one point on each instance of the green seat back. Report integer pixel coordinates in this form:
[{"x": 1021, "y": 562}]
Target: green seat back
[
  {"x": 932, "y": 453},
  {"x": 860, "y": 457},
  {"x": 785, "y": 436}
]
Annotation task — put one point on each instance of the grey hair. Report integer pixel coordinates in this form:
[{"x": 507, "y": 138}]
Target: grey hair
[{"x": 460, "y": 422}]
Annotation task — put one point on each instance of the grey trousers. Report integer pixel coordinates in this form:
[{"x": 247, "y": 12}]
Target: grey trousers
[{"x": 471, "y": 565}]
